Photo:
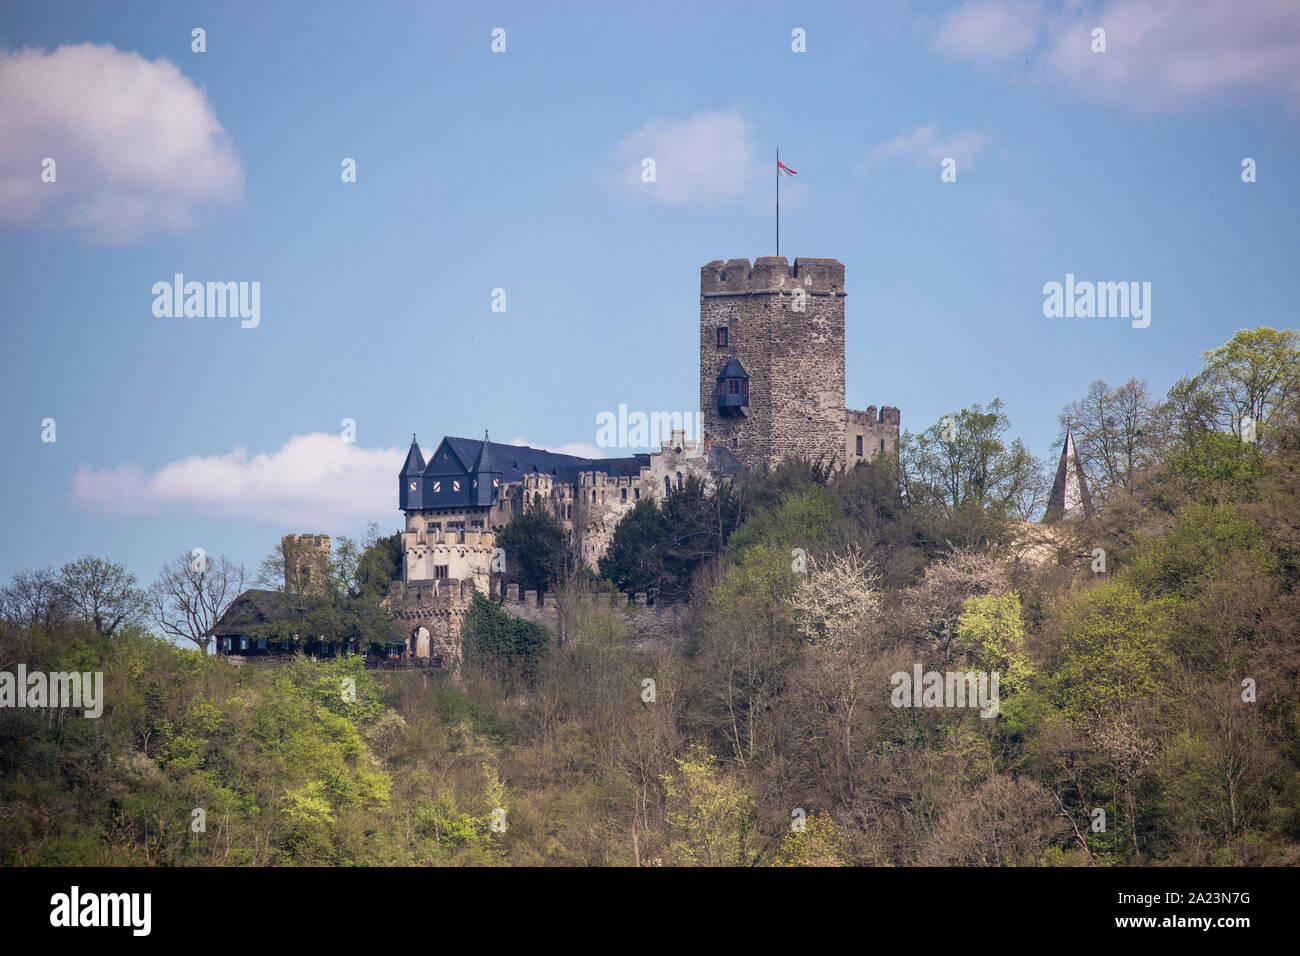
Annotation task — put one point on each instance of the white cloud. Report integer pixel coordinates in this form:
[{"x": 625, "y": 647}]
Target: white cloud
[
  {"x": 1160, "y": 54},
  {"x": 1174, "y": 53},
  {"x": 706, "y": 158},
  {"x": 137, "y": 146},
  {"x": 989, "y": 31},
  {"x": 316, "y": 479},
  {"x": 924, "y": 146},
  {"x": 578, "y": 448}
]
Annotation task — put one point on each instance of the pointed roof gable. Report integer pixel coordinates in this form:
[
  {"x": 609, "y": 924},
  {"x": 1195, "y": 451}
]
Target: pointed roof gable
[
  {"x": 1070, "y": 497},
  {"x": 483, "y": 465},
  {"x": 414, "y": 461},
  {"x": 450, "y": 458},
  {"x": 733, "y": 369},
  {"x": 483, "y": 486}
]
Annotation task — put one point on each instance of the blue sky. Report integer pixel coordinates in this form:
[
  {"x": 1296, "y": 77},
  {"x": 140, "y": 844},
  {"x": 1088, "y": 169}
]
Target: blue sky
[{"x": 521, "y": 171}]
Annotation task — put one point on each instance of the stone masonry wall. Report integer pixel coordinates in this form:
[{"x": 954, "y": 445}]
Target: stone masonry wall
[
  {"x": 795, "y": 358},
  {"x": 879, "y": 432},
  {"x": 646, "y": 621}
]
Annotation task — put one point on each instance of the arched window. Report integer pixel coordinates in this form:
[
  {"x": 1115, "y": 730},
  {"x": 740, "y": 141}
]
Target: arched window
[
  {"x": 679, "y": 481},
  {"x": 668, "y": 487}
]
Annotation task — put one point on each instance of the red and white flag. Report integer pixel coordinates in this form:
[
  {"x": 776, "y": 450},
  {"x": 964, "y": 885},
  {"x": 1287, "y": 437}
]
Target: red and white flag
[{"x": 783, "y": 168}]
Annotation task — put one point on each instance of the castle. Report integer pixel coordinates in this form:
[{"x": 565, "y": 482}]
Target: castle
[
  {"x": 772, "y": 372},
  {"x": 772, "y": 387}
]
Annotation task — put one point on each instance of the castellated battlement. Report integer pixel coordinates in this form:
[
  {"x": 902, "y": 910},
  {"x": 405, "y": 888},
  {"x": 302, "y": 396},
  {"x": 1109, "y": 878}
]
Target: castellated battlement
[
  {"x": 888, "y": 415},
  {"x": 598, "y": 479},
  {"x": 440, "y": 593},
  {"x": 513, "y": 601},
  {"x": 771, "y": 275},
  {"x": 473, "y": 540},
  {"x": 306, "y": 562},
  {"x": 308, "y": 540}
]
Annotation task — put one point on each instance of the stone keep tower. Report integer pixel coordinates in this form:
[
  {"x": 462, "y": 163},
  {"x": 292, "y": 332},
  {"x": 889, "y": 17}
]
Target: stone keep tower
[
  {"x": 306, "y": 563},
  {"x": 772, "y": 358}
]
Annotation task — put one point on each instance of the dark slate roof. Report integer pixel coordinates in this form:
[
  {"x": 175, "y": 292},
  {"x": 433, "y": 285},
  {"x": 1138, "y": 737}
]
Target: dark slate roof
[
  {"x": 483, "y": 465},
  {"x": 512, "y": 462},
  {"x": 253, "y": 609},
  {"x": 733, "y": 369},
  {"x": 414, "y": 460}
]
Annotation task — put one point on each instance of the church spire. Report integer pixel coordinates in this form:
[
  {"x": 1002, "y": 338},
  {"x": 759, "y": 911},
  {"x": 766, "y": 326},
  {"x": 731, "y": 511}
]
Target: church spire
[{"x": 1070, "y": 497}]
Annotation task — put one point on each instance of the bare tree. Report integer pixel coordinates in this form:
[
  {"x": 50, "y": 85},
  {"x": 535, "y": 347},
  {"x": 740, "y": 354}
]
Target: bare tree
[
  {"x": 191, "y": 594},
  {"x": 34, "y": 598},
  {"x": 102, "y": 593},
  {"x": 1117, "y": 432}
]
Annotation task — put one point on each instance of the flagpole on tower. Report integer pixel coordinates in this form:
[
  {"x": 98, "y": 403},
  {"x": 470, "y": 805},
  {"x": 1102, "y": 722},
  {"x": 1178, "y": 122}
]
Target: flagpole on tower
[{"x": 778, "y": 201}]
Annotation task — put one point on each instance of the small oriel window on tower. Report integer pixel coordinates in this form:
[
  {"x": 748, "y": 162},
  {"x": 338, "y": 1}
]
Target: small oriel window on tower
[{"x": 722, "y": 336}]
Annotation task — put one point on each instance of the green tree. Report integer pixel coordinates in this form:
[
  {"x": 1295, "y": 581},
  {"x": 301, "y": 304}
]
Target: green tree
[
  {"x": 819, "y": 843},
  {"x": 710, "y": 817},
  {"x": 1112, "y": 654},
  {"x": 658, "y": 548},
  {"x": 380, "y": 563},
  {"x": 538, "y": 557},
  {"x": 992, "y": 633},
  {"x": 493, "y": 639},
  {"x": 1254, "y": 373},
  {"x": 965, "y": 459}
]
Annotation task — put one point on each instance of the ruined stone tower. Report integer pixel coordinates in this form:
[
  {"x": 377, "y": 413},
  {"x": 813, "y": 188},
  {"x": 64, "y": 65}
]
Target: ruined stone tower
[
  {"x": 772, "y": 358},
  {"x": 306, "y": 563}
]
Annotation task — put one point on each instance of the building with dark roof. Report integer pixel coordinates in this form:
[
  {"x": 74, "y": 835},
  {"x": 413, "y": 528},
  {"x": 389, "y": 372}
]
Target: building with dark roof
[
  {"x": 467, "y": 492},
  {"x": 771, "y": 387}
]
